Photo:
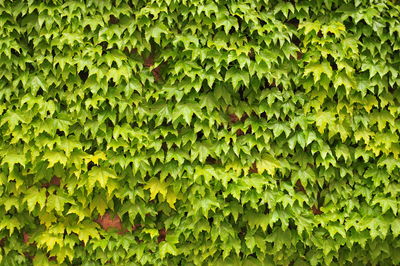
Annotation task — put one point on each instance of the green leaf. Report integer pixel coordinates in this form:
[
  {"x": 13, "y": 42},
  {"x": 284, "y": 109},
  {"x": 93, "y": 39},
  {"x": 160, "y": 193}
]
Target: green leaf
[
  {"x": 54, "y": 157},
  {"x": 85, "y": 230},
  {"x": 100, "y": 175},
  {"x": 386, "y": 204},
  {"x": 348, "y": 82},
  {"x": 48, "y": 240},
  {"x": 56, "y": 202},
  {"x": 227, "y": 22},
  {"x": 336, "y": 28},
  {"x": 156, "y": 186},
  {"x": 167, "y": 248},
  {"x": 310, "y": 26},
  {"x": 237, "y": 76},
  {"x": 35, "y": 196},
  {"x": 13, "y": 157},
  {"x": 306, "y": 176},
  {"x": 316, "y": 69},
  {"x": 171, "y": 198},
  {"x": 186, "y": 110},
  {"x": 62, "y": 253},
  {"x": 156, "y": 31},
  {"x": 322, "y": 119},
  {"x": 395, "y": 226},
  {"x": 81, "y": 212},
  {"x": 268, "y": 163},
  {"x": 40, "y": 259},
  {"x": 11, "y": 223}
]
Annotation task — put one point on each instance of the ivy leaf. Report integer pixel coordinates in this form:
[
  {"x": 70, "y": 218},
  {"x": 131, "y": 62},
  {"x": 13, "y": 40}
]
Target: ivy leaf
[
  {"x": 156, "y": 31},
  {"x": 11, "y": 223},
  {"x": 390, "y": 164},
  {"x": 336, "y": 28},
  {"x": 37, "y": 82},
  {"x": 85, "y": 230},
  {"x": 237, "y": 76},
  {"x": 305, "y": 176},
  {"x": 250, "y": 242},
  {"x": 205, "y": 205},
  {"x": 35, "y": 196},
  {"x": 317, "y": 69},
  {"x": 12, "y": 157},
  {"x": 47, "y": 239},
  {"x": 171, "y": 198},
  {"x": 54, "y": 157},
  {"x": 269, "y": 164},
  {"x": 348, "y": 82},
  {"x": 309, "y": 26},
  {"x": 10, "y": 202},
  {"x": 156, "y": 186},
  {"x": 99, "y": 203},
  {"x": 151, "y": 231},
  {"x": 81, "y": 212},
  {"x": 386, "y": 204},
  {"x": 62, "y": 253},
  {"x": 278, "y": 128},
  {"x": 47, "y": 218},
  {"x": 227, "y": 22},
  {"x": 100, "y": 175},
  {"x": 56, "y": 202},
  {"x": 324, "y": 118},
  {"x": 98, "y": 155},
  {"x": 40, "y": 259},
  {"x": 186, "y": 110},
  {"x": 167, "y": 248},
  {"x": 336, "y": 228},
  {"x": 395, "y": 226},
  {"x": 284, "y": 7}
]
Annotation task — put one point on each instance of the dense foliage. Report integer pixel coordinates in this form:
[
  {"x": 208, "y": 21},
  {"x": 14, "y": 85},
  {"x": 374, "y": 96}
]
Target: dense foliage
[{"x": 183, "y": 132}]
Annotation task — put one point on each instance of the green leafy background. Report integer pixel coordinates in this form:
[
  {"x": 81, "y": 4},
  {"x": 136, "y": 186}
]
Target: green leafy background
[{"x": 183, "y": 132}]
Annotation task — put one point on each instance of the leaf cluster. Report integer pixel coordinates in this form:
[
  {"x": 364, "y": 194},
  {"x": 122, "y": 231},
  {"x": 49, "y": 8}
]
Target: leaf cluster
[{"x": 175, "y": 132}]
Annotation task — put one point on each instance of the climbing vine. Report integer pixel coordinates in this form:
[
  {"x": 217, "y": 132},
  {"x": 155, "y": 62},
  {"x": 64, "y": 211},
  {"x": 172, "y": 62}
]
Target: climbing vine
[{"x": 199, "y": 132}]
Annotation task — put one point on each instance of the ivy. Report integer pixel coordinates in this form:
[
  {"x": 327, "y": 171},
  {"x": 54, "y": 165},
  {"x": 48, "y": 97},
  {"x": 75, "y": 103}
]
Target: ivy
[{"x": 199, "y": 132}]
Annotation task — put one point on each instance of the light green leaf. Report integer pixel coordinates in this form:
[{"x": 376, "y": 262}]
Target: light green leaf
[
  {"x": 35, "y": 196},
  {"x": 316, "y": 69},
  {"x": 167, "y": 248},
  {"x": 100, "y": 175},
  {"x": 56, "y": 202},
  {"x": 268, "y": 163},
  {"x": 156, "y": 186},
  {"x": 237, "y": 76},
  {"x": 54, "y": 157}
]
